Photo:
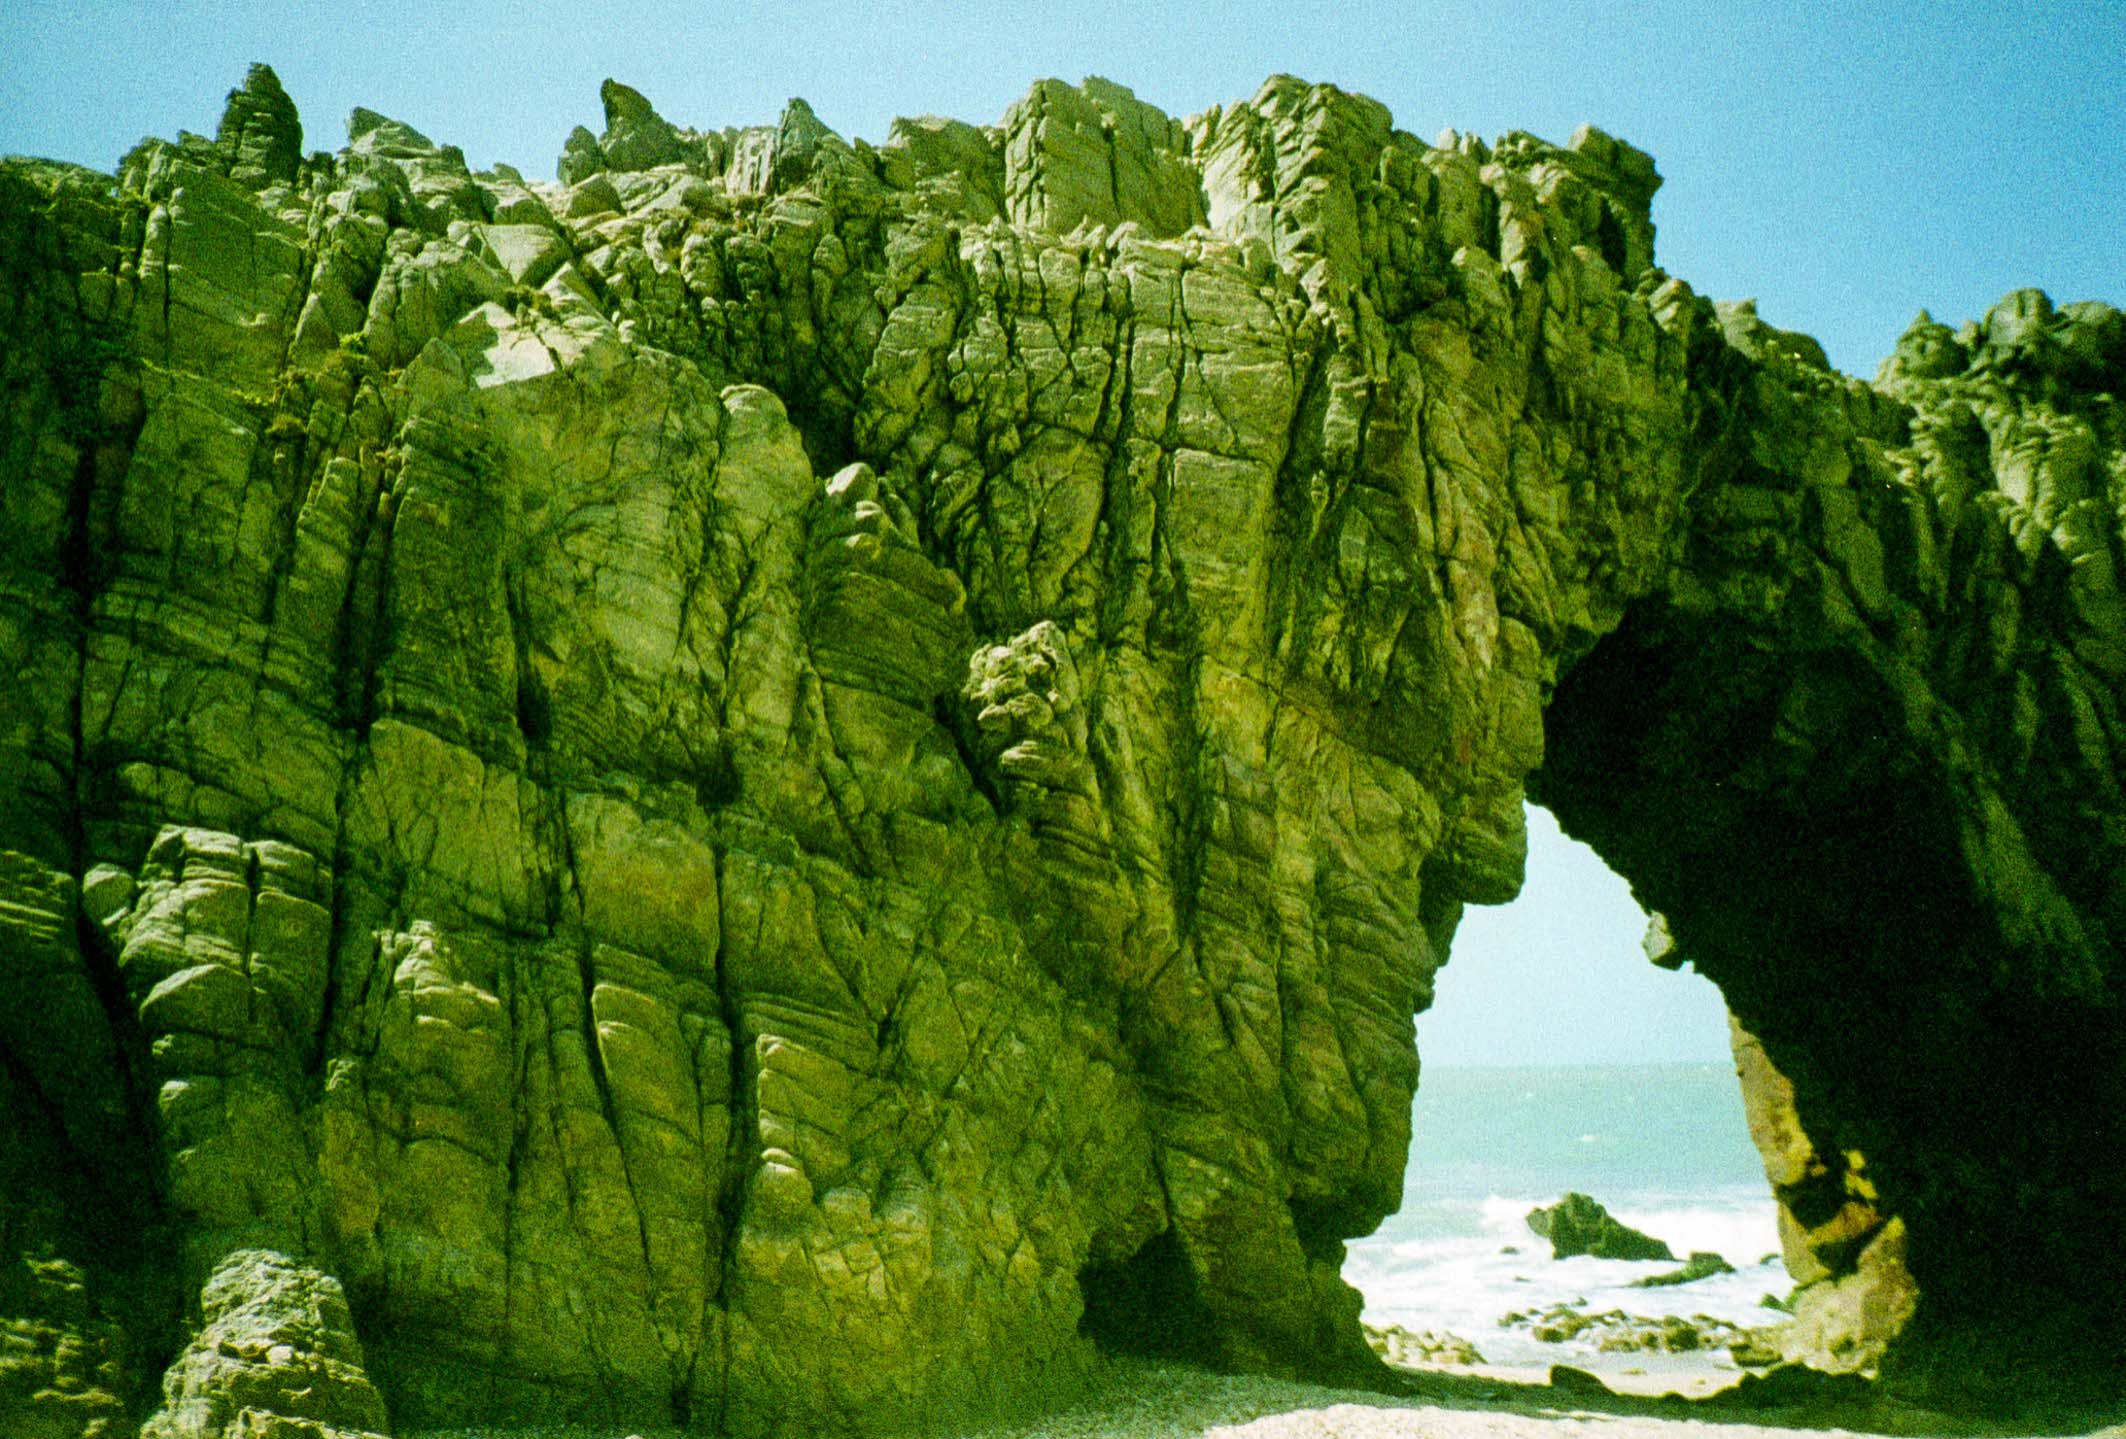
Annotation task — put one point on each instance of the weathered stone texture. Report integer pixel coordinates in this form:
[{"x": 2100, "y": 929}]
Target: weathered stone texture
[
  {"x": 762, "y": 787},
  {"x": 1861, "y": 752},
  {"x": 275, "y": 1354}
]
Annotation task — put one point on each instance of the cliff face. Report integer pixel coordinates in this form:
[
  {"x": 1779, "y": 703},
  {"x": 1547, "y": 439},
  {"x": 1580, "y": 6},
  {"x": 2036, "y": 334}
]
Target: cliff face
[{"x": 791, "y": 782}]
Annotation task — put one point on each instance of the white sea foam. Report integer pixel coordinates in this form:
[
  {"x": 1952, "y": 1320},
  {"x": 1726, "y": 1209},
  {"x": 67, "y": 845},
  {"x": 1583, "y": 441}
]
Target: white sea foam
[
  {"x": 1465, "y": 1282},
  {"x": 1664, "y": 1147}
]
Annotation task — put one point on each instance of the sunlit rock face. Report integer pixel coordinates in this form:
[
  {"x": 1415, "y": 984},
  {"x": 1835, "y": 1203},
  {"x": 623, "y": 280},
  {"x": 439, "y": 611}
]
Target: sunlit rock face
[{"x": 789, "y": 783}]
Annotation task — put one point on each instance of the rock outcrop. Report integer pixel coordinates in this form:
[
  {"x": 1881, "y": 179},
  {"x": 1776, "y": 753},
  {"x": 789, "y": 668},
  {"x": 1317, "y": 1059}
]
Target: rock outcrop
[
  {"x": 1577, "y": 1225},
  {"x": 1701, "y": 1264},
  {"x": 275, "y": 1353},
  {"x": 1861, "y": 755},
  {"x": 1854, "y": 1293},
  {"x": 788, "y": 784},
  {"x": 1408, "y": 1349}
]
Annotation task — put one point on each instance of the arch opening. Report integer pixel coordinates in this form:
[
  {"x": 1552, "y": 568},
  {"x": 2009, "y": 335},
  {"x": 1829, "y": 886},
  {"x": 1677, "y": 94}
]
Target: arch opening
[
  {"x": 1929, "y": 1052},
  {"x": 1558, "y": 1060}
]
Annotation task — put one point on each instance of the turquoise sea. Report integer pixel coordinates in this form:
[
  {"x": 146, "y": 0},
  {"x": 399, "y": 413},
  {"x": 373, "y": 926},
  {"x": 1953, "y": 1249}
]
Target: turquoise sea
[{"x": 1664, "y": 1147}]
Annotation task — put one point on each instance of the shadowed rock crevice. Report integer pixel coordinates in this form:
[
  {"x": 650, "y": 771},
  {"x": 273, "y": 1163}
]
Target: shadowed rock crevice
[
  {"x": 801, "y": 782},
  {"x": 1146, "y": 1305},
  {"x": 1810, "y": 854}
]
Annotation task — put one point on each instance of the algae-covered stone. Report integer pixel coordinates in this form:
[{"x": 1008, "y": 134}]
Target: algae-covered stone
[
  {"x": 260, "y": 134},
  {"x": 1576, "y": 1224},
  {"x": 1702, "y": 1264},
  {"x": 1408, "y": 1348},
  {"x": 275, "y": 1353}
]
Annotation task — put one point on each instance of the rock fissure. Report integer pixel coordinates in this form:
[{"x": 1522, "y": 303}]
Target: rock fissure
[{"x": 742, "y": 1153}]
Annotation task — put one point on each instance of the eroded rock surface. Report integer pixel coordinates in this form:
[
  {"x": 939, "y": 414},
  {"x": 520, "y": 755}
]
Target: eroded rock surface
[
  {"x": 780, "y": 784},
  {"x": 1862, "y": 754},
  {"x": 275, "y": 1354}
]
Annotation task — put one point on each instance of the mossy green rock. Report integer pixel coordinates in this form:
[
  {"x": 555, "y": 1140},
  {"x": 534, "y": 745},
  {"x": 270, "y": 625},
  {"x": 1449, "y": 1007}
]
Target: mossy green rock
[
  {"x": 1578, "y": 1225},
  {"x": 1702, "y": 1264},
  {"x": 735, "y": 793}
]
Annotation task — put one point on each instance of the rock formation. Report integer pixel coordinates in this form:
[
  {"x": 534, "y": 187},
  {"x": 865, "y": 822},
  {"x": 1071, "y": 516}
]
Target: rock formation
[
  {"x": 1417, "y": 1349},
  {"x": 1576, "y": 1224},
  {"x": 792, "y": 783},
  {"x": 1854, "y": 1292},
  {"x": 1702, "y": 1264}
]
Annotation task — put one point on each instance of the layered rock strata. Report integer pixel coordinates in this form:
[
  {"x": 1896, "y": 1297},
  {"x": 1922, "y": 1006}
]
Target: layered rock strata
[{"x": 791, "y": 783}]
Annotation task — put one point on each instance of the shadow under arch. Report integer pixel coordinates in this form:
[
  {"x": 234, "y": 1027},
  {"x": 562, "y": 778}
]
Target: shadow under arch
[{"x": 1816, "y": 833}]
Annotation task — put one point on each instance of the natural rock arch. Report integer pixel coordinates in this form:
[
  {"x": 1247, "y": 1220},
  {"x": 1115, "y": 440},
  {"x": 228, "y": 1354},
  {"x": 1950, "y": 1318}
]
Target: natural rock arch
[
  {"x": 796, "y": 741},
  {"x": 1817, "y": 828}
]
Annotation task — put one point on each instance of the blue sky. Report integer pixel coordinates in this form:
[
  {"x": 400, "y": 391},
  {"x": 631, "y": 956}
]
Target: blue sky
[
  {"x": 1559, "y": 976},
  {"x": 1844, "y": 164}
]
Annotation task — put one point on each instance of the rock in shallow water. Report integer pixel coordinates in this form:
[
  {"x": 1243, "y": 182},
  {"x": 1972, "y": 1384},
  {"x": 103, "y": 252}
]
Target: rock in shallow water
[
  {"x": 1404, "y": 1347},
  {"x": 1700, "y": 1265},
  {"x": 1577, "y": 1224}
]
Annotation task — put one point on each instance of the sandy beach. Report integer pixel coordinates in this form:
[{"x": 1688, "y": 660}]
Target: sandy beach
[
  {"x": 1476, "y": 1402},
  {"x": 1143, "y": 1399}
]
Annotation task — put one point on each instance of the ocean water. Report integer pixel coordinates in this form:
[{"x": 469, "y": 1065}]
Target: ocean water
[{"x": 1663, "y": 1147}]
